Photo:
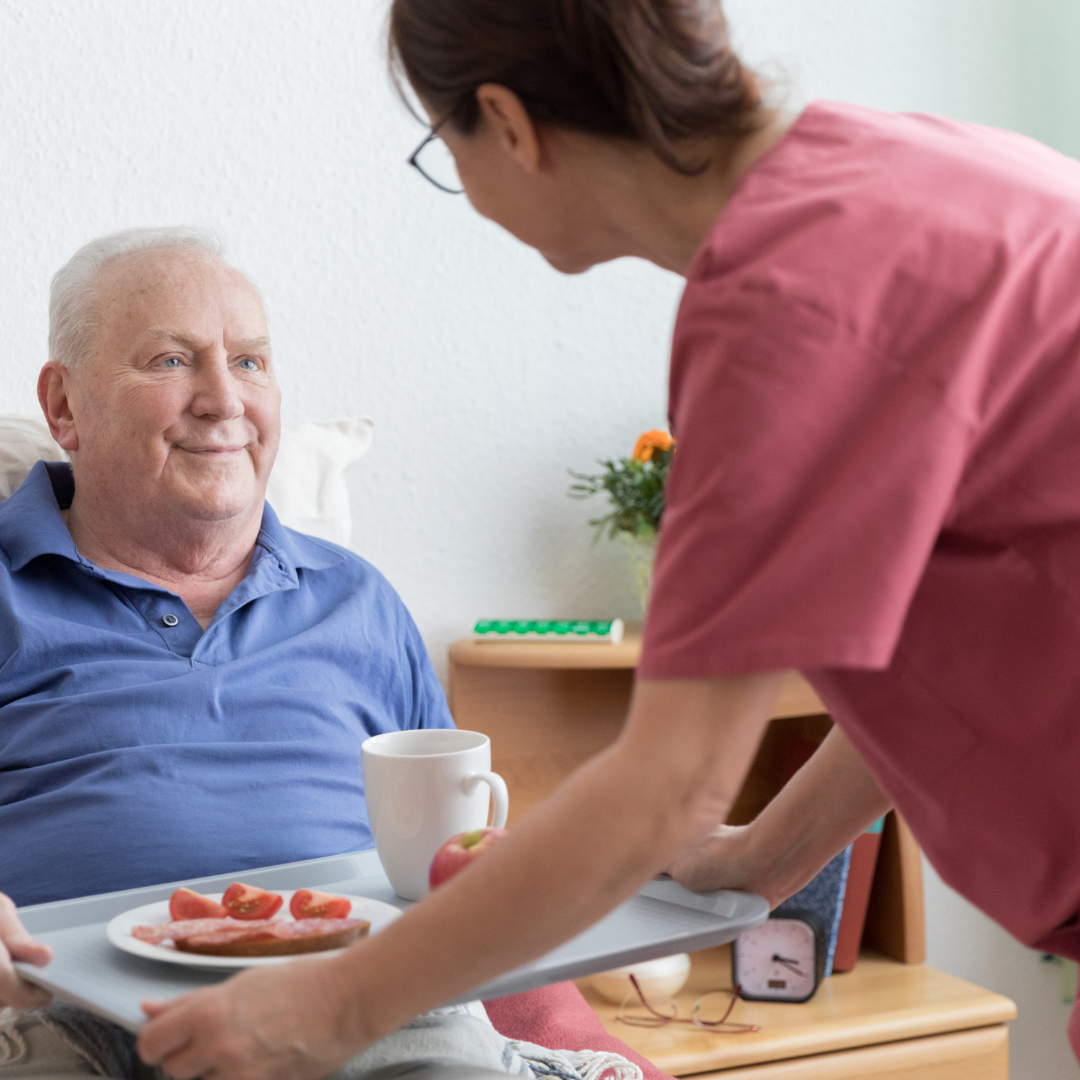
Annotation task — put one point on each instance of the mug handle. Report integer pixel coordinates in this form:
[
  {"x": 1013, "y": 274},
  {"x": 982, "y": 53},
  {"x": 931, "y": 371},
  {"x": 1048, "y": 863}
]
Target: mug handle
[{"x": 499, "y": 794}]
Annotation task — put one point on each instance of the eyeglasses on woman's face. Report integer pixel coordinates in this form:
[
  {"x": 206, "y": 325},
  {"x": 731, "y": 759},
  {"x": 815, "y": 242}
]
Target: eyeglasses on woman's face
[{"x": 434, "y": 162}]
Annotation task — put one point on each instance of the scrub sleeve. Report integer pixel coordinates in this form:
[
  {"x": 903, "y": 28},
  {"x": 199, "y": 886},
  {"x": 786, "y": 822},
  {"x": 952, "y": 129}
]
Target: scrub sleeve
[{"x": 874, "y": 386}]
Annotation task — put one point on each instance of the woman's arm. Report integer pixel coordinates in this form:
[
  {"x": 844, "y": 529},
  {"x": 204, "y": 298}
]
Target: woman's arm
[
  {"x": 826, "y": 805},
  {"x": 660, "y": 789}
]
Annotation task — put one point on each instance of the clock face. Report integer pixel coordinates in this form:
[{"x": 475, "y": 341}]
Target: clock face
[{"x": 778, "y": 960}]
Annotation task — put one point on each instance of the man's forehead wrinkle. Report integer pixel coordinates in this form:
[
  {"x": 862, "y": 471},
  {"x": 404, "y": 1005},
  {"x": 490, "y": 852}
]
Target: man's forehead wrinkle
[
  {"x": 149, "y": 298},
  {"x": 254, "y": 344},
  {"x": 163, "y": 333}
]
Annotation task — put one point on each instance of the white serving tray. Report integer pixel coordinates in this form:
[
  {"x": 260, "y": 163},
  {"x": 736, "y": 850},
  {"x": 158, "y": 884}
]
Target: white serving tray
[{"x": 663, "y": 918}]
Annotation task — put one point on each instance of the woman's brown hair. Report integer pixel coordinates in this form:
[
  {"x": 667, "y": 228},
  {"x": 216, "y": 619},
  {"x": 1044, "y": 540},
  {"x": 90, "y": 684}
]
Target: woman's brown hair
[{"x": 657, "y": 71}]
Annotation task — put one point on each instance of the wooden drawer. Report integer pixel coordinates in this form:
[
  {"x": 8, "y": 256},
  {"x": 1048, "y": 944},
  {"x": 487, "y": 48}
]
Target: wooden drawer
[{"x": 981, "y": 1054}]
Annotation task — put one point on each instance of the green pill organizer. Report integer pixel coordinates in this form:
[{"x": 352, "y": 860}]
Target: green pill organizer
[{"x": 608, "y": 631}]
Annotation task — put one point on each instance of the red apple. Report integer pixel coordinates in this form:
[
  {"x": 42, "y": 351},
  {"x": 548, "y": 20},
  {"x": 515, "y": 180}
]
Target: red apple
[{"x": 459, "y": 851}]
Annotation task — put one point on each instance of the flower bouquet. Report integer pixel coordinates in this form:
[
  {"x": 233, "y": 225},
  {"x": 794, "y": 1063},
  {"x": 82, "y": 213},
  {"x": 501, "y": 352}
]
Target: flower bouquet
[{"x": 635, "y": 490}]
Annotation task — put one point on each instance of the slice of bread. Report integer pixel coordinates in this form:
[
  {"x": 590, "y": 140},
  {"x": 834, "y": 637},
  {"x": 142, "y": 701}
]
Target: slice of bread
[{"x": 266, "y": 945}]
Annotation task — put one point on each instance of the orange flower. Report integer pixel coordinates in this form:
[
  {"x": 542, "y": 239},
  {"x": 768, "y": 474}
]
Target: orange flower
[{"x": 650, "y": 441}]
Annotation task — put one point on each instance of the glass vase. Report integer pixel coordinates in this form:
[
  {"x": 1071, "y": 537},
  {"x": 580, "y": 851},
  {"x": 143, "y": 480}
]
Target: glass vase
[{"x": 641, "y": 551}]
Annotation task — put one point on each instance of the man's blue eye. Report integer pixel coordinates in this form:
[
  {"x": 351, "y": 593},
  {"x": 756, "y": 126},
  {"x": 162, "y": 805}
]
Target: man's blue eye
[
  {"x": 249, "y": 365},
  {"x": 171, "y": 361}
]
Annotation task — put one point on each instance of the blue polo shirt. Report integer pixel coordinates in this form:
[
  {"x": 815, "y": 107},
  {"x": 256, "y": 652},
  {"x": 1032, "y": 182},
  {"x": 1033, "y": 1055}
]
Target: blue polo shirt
[{"x": 137, "y": 748}]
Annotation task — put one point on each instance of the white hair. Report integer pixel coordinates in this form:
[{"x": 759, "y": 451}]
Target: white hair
[{"x": 72, "y": 316}]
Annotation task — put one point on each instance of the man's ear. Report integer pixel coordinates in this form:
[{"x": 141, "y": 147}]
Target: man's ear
[
  {"x": 54, "y": 389},
  {"x": 514, "y": 129}
]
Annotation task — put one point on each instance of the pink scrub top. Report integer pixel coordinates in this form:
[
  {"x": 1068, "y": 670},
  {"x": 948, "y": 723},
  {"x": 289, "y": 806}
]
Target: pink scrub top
[{"x": 875, "y": 387}]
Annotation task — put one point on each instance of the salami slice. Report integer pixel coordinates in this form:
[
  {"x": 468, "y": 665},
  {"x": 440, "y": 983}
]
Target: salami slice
[
  {"x": 268, "y": 930},
  {"x": 159, "y": 934},
  {"x": 276, "y": 938}
]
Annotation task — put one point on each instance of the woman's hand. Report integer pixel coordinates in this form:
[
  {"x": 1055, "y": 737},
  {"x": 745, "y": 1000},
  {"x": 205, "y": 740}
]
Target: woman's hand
[
  {"x": 718, "y": 862},
  {"x": 17, "y": 944},
  {"x": 822, "y": 809},
  {"x": 289, "y": 1022},
  {"x": 673, "y": 772}
]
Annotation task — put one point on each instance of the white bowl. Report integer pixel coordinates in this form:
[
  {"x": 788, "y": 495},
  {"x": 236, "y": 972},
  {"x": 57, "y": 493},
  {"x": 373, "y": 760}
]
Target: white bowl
[{"x": 659, "y": 979}]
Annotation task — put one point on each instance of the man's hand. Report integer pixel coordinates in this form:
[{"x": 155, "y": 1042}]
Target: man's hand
[
  {"x": 16, "y": 944},
  {"x": 288, "y": 1022}
]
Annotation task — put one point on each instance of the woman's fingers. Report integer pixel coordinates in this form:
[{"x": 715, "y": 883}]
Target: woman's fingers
[
  {"x": 184, "y": 1064},
  {"x": 263, "y": 1024},
  {"x": 191, "y": 1036},
  {"x": 167, "y": 1034}
]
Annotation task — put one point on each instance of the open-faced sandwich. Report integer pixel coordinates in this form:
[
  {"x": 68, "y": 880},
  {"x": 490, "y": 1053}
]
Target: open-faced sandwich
[{"x": 243, "y": 924}]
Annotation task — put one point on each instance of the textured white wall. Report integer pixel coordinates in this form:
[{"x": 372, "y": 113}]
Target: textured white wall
[
  {"x": 487, "y": 373},
  {"x": 1049, "y": 42}
]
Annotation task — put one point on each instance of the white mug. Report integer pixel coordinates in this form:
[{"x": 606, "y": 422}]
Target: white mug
[{"x": 422, "y": 787}]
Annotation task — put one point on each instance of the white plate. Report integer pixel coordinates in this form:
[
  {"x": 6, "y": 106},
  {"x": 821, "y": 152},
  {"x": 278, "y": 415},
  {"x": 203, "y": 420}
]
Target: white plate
[{"x": 118, "y": 931}]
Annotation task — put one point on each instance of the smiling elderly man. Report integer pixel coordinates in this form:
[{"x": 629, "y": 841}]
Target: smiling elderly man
[{"x": 184, "y": 683}]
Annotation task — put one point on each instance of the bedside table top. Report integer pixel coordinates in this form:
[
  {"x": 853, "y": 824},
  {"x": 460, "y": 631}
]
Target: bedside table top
[
  {"x": 796, "y": 698},
  {"x": 550, "y": 654},
  {"x": 880, "y": 1001}
]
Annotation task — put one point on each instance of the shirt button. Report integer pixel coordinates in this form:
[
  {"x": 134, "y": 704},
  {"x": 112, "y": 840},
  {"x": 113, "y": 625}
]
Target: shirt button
[{"x": 169, "y": 620}]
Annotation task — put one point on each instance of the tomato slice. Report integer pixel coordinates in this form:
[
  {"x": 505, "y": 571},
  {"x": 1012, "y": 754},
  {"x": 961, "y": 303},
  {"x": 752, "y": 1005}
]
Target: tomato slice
[
  {"x": 185, "y": 904},
  {"x": 250, "y": 902},
  {"x": 306, "y": 904}
]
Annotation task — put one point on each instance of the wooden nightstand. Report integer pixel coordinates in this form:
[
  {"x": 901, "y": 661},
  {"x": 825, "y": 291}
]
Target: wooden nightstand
[
  {"x": 549, "y": 707},
  {"x": 885, "y": 1020}
]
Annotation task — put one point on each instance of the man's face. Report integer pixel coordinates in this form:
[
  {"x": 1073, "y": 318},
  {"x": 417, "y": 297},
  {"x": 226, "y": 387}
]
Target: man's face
[{"x": 176, "y": 410}]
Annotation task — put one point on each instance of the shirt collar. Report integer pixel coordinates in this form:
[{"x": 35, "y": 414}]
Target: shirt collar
[
  {"x": 30, "y": 521},
  {"x": 31, "y": 525},
  {"x": 298, "y": 548}
]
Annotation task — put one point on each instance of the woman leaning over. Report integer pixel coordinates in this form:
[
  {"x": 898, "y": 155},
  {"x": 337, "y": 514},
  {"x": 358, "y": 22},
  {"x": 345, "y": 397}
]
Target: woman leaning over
[{"x": 875, "y": 383}]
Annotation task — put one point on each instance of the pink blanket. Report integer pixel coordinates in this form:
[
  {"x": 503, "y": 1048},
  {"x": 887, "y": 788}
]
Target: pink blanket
[{"x": 559, "y": 1018}]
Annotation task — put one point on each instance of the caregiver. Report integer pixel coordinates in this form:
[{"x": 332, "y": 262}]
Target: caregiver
[{"x": 875, "y": 384}]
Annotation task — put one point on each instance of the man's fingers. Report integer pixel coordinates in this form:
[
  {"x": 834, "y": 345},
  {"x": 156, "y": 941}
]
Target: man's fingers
[
  {"x": 31, "y": 996},
  {"x": 17, "y": 944},
  {"x": 19, "y": 993},
  {"x": 153, "y": 1008},
  {"x": 10, "y": 927},
  {"x": 9, "y": 920},
  {"x": 29, "y": 951}
]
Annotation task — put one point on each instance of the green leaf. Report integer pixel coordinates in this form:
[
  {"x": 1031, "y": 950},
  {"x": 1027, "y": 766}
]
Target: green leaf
[{"x": 635, "y": 491}]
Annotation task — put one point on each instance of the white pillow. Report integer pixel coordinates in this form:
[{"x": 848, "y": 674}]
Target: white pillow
[
  {"x": 23, "y": 440},
  {"x": 307, "y": 485}
]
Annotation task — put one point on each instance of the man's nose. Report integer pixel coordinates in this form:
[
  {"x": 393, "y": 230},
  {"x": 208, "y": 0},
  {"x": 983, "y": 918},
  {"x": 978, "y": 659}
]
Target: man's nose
[{"x": 217, "y": 395}]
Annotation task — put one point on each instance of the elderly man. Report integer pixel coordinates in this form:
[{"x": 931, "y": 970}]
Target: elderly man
[{"x": 184, "y": 683}]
